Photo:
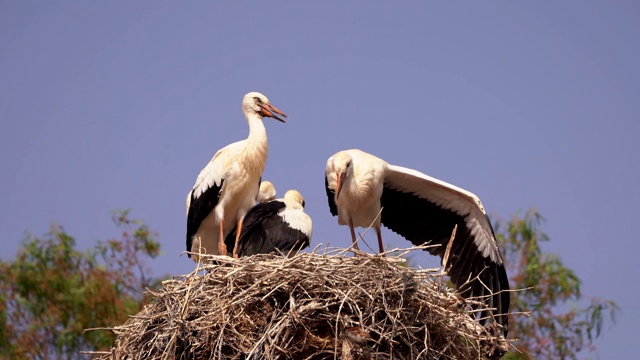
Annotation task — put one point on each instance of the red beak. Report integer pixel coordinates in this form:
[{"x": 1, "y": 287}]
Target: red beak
[
  {"x": 339, "y": 184},
  {"x": 269, "y": 110}
]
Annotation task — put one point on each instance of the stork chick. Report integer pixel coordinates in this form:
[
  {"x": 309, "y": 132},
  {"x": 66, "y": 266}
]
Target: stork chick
[
  {"x": 266, "y": 193},
  {"x": 278, "y": 225}
]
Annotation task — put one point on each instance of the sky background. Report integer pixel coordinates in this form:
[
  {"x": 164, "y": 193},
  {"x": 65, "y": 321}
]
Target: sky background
[{"x": 110, "y": 105}]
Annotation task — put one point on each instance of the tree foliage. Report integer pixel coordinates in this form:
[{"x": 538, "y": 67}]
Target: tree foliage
[
  {"x": 563, "y": 321},
  {"x": 50, "y": 293}
]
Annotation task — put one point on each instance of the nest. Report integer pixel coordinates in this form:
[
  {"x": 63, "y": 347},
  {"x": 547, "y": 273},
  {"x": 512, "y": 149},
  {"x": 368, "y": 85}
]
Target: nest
[{"x": 308, "y": 306}]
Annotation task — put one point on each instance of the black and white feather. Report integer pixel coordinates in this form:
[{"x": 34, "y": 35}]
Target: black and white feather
[
  {"x": 201, "y": 201},
  {"x": 227, "y": 187},
  {"x": 423, "y": 210},
  {"x": 279, "y": 225}
]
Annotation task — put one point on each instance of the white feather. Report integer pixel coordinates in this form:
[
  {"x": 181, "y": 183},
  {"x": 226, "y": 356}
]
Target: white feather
[
  {"x": 450, "y": 197},
  {"x": 297, "y": 219}
]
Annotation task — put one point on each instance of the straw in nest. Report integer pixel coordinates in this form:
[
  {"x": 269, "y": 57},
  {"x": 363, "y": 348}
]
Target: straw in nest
[{"x": 308, "y": 306}]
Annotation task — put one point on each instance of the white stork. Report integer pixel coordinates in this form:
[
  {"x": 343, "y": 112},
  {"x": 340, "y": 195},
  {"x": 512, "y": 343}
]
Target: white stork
[
  {"x": 266, "y": 193},
  {"x": 280, "y": 225},
  {"x": 423, "y": 210},
  {"x": 227, "y": 187}
]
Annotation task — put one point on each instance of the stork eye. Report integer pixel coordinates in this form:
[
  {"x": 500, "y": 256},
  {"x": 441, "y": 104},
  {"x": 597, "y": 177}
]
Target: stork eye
[
  {"x": 257, "y": 99},
  {"x": 303, "y": 203}
]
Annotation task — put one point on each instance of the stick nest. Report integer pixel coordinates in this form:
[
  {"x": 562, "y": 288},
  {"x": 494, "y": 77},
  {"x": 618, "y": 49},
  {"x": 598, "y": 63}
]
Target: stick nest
[{"x": 308, "y": 306}]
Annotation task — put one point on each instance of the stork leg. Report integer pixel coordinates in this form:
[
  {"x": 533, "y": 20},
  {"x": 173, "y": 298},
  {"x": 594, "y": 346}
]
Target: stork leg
[
  {"x": 222, "y": 248},
  {"x": 238, "y": 231},
  {"x": 380, "y": 245},
  {"x": 353, "y": 234}
]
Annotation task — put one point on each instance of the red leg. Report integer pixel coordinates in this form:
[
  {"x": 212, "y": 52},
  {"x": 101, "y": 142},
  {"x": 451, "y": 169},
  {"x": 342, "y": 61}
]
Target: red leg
[
  {"x": 222, "y": 248},
  {"x": 238, "y": 231},
  {"x": 353, "y": 234},
  {"x": 380, "y": 245}
]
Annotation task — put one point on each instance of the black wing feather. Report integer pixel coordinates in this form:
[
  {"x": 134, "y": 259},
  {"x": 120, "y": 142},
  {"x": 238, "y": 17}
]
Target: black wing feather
[
  {"x": 421, "y": 221},
  {"x": 264, "y": 231},
  {"x": 331, "y": 196},
  {"x": 280, "y": 236},
  {"x": 199, "y": 208},
  {"x": 252, "y": 220}
]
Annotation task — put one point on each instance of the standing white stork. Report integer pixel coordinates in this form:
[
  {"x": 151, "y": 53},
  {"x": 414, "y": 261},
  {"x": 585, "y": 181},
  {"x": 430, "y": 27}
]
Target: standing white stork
[
  {"x": 280, "y": 225},
  {"x": 423, "y": 210},
  {"x": 227, "y": 187},
  {"x": 266, "y": 193}
]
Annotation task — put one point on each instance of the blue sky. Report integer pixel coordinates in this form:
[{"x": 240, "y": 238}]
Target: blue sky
[{"x": 112, "y": 104}]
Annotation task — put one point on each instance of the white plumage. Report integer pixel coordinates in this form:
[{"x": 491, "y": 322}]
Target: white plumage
[
  {"x": 363, "y": 190},
  {"x": 294, "y": 214},
  {"x": 266, "y": 193},
  {"x": 227, "y": 187}
]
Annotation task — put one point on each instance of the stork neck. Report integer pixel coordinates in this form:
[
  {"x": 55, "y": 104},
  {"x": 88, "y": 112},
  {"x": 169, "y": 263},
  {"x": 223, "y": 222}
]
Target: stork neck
[{"x": 257, "y": 144}]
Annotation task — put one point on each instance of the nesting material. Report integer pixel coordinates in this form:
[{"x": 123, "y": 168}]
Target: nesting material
[{"x": 318, "y": 305}]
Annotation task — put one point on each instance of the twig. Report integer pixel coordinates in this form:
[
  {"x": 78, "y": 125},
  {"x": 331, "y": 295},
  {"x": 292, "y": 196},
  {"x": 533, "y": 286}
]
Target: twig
[{"x": 273, "y": 306}]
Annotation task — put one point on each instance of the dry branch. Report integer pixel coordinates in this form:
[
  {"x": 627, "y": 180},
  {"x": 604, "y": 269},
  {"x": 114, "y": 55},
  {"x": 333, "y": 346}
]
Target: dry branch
[{"x": 308, "y": 306}]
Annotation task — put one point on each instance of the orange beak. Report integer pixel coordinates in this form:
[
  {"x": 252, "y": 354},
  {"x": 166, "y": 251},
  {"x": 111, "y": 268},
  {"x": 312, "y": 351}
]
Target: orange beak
[
  {"x": 269, "y": 110},
  {"x": 341, "y": 177}
]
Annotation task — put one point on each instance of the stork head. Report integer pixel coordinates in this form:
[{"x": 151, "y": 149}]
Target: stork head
[
  {"x": 256, "y": 103},
  {"x": 266, "y": 193},
  {"x": 342, "y": 165},
  {"x": 295, "y": 196}
]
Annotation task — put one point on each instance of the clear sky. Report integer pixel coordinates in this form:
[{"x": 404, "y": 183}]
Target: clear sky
[{"x": 113, "y": 104}]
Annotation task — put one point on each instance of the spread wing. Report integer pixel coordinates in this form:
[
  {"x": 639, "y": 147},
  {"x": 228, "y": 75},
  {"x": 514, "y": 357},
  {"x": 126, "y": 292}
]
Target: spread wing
[{"x": 425, "y": 210}]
